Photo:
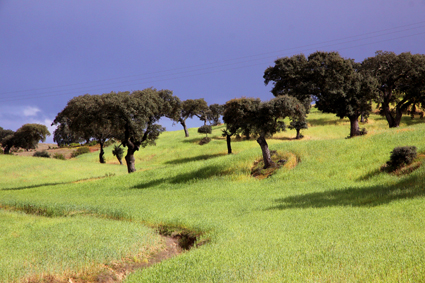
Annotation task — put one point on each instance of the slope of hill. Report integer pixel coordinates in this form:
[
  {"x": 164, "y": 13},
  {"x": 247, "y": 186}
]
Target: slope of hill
[{"x": 335, "y": 217}]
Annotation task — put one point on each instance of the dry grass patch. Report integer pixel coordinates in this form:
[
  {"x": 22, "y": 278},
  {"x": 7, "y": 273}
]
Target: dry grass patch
[{"x": 281, "y": 159}]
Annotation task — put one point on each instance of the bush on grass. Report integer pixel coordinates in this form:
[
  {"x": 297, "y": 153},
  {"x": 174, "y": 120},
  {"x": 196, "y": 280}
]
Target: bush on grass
[
  {"x": 80, "y": 150},
  {"x": 401, "y": 156},
  {"x": 206, "y": 129},
  {"x": 59, "y": 156},
  {"x": 43, "y": 153},
  {"x": 118, "y": 152}
]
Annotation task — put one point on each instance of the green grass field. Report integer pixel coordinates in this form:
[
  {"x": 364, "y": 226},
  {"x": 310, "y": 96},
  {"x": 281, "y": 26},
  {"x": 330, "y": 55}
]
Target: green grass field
[{"x": 334, "y": 217}]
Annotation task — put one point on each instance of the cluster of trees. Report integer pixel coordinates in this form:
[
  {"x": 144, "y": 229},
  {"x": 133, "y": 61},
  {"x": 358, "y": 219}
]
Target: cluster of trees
[
  {"x": 131, "y": 118},
  {"x": 347, "y": 89},
  {"x": 27, "y": 137}
]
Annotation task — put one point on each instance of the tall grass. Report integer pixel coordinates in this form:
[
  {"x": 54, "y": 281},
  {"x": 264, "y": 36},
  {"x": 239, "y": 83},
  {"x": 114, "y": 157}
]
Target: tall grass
[{"x": 335, "y": 217}]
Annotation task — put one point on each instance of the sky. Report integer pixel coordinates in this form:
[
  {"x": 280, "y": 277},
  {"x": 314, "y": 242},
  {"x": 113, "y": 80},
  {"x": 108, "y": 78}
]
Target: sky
[{"x": 52, "y": 51}]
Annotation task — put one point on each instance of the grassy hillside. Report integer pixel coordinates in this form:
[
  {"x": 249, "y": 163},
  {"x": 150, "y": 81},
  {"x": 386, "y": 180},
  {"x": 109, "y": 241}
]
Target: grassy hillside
[{"x": 334, "y": 217}]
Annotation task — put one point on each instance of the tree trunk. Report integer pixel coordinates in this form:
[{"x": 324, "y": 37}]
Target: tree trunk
[
  {"x": 6, "y": 149},
  {"x": 298, "y": 134},
  {"x": 186, "y": 133},
  {"x": 401, "y": 106},
  {"x": 229, "y": 146},
  {"x": 246, "y": 133},
  {"x": 101, "y": 153},
  {"x": 131, "y": 149},
  {"x": 354, "y": 125},
  {"x": 386, "y": 109},
  {"x": 266, "y": 152},
  {"x": 120, "y": 161},
  {"x": 129, "y": 158}
]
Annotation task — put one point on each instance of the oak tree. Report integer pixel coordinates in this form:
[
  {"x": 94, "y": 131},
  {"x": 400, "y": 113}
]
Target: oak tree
[
  {"x": 398, "y": 77},
  {"x": 268, "y": 120},
  {"x": 134, "y": 117},
  {"x": 237, "y": 116},
  {"x": 190, "y": 108},
  {"x": 27, "y": 137}
]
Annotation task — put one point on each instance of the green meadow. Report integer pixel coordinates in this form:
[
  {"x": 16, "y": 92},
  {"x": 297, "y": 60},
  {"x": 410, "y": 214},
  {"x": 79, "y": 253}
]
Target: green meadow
[{"x": 329, "y": 215}]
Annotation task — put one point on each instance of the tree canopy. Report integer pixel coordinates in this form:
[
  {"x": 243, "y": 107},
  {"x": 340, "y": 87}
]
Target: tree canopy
[
  {"x": 215, "y": 112},
  {"x": 290, "y": 76}
]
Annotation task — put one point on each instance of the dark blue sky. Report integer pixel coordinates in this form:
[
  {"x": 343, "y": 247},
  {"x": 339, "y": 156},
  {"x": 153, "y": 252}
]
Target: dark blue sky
[{"x": 51, "y": 51}]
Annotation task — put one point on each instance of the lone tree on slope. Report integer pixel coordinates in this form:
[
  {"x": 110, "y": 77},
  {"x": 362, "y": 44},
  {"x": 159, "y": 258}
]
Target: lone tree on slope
[
  {"x": 190, "y": 108},
  {"x": 85, "y": 118},
  {"x": 399, "y": 77},
  {"x": 268, "y": 120},
  {"x": 237, "y": 115},
  {"x": 216, "y": 110},
  {"x": 298, "y": 125},
  {"x": 134, "y": 117}
]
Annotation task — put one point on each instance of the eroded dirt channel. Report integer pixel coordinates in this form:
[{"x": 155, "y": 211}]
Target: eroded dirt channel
[{"x": 176, "y": 241}]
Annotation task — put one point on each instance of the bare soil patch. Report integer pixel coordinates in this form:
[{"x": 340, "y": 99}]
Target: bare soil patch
[
  {"x": 175, "y": 241},
  {"x": 287, "y": 160},
  {"x": 53, "y": 149},
  {"x": 115, "y": 272}
]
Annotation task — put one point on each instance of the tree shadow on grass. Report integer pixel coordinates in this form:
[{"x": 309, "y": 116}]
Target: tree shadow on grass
[
  {"x": 34, "y": 186},
  {"x": 370, "y": 175},
  {"x": 192, "y": 140},
  {"x": 195, "y": 158},
  {"x": 284, "y": 138},
  {"x": 193, "y": 176},
  {"x": 326, "y": 122},
  {"x": 408, "y": 188}
]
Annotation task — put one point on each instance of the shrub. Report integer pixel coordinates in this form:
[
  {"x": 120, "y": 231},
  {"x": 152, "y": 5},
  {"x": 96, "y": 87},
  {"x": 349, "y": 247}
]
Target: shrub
[
  {"x": 118, "y": 152},
  {"x": 80, "y": 150},
  {"x": 41, "y": 154},
  {"x": 400, "y": 156},
  {"x": 205, "y": 129},
  {"x": 92, "y": 143},
  {"x": 59, "y": 156},
  {"x": 74, "y": 145}
]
